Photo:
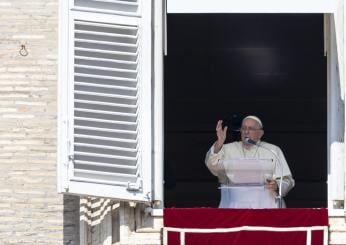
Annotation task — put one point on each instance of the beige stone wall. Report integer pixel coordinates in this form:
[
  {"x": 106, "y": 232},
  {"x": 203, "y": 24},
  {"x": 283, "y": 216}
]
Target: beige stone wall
[
  {"x": 31, "y": 211},
  {"x": 337, "y": 231}
]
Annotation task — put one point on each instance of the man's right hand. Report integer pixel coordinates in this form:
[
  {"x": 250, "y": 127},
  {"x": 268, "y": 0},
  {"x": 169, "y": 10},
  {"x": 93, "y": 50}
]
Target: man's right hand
[{"x": 221, "y": 136}]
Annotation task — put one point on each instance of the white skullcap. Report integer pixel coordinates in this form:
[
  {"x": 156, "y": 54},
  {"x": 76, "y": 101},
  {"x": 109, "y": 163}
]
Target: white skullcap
[{"x": 254, "y": 118}]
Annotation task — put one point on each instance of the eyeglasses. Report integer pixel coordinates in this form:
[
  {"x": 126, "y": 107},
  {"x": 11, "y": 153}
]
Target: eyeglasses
[{"x": 249, "y": 129}]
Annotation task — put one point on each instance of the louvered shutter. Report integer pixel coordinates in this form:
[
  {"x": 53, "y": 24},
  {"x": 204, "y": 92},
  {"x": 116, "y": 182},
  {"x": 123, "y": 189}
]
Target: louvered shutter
[{"x": 109, "y": 98}]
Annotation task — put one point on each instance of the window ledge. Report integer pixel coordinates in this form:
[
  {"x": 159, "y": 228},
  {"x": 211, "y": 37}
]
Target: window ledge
[
  {"x": 157, "y": 212},
  {"x": 336, "y": 212}
]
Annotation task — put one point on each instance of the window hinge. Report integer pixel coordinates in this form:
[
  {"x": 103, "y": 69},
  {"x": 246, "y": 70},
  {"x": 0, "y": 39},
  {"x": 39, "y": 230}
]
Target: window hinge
[
  {"x": 68, "y": 165},
  {"x": 71, "y": 158}
]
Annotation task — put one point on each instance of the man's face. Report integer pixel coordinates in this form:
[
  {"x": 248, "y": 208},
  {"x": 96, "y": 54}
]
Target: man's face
[{"x": 251, "y": 129}]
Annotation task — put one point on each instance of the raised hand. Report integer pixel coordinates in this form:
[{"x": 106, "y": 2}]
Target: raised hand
[{"x": 221, "y": 134}]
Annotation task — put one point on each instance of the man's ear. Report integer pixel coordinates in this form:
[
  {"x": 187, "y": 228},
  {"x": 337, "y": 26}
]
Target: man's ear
[{"x": 261, "y": 133}]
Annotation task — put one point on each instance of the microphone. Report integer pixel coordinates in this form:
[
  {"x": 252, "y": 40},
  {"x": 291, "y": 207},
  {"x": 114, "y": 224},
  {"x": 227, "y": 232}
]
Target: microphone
[{"x": 252, "y": 142}]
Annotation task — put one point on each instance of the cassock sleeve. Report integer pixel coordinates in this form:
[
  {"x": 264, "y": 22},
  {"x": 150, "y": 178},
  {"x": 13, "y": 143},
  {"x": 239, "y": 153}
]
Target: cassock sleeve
[
  {"x": 287, "y": 180},
  {"x": 213, "y": 160},
  {"x": 287, "y": 184}
]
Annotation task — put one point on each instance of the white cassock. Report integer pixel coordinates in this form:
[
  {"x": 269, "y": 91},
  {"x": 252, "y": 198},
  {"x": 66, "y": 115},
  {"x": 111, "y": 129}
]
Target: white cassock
[{"x": 248, "y": 196}]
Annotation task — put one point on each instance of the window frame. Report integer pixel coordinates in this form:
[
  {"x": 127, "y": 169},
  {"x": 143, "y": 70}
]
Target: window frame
[{"x": 334, "y": 34}]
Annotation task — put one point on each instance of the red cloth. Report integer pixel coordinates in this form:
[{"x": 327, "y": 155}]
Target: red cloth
[{"x": 228, "y": 218}]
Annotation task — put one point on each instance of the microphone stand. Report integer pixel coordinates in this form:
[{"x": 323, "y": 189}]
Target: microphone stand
[{"x": 279, "y": 197}]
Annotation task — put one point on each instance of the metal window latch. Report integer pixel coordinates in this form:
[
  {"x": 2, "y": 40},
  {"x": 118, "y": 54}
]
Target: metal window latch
[{"x": 134, "y": 186}]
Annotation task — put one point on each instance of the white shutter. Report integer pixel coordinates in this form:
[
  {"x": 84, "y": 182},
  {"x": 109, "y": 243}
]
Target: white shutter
[{"x": 109, "y": 100}]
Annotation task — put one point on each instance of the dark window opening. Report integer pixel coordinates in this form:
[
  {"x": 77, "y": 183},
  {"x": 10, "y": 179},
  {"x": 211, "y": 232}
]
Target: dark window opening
[{"x": 220, "y": 65}]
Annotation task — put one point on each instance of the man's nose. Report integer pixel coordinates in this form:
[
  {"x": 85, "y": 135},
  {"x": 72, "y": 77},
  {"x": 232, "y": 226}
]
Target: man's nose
[{"x": 246, "y": 131}]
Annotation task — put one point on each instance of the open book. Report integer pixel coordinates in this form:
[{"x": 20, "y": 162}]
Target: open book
[{"x": 248, "y": 171}]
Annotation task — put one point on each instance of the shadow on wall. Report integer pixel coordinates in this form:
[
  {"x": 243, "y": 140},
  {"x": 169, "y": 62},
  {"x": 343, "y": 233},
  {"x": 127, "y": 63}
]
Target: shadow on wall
[
  {"x": 71, "y": 220},
  {"x": 98, "y": 219}
]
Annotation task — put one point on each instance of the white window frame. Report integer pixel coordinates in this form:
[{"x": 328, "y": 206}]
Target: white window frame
[
  {"x": 250, "y": 6},
  {"x": 334, "y": 35}
]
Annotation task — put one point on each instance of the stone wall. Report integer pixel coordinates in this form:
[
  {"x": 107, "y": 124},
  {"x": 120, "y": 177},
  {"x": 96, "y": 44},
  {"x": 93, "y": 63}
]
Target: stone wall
[
  {"x": 337, "y": 231},
  {"x": 31, "y": 211}
]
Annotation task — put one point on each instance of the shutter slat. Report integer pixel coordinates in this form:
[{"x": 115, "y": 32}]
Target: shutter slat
[
  {"x": 107, "y": 147},
  {"x": 108, "y": 6},
  {"x": 105, "y": 34},
  {"x": 106, "y": 46},
  {"x": 107, "y": 89},
  {"x": 91, "y": 172},
  {"x": 105, "y": 159},
  {"x": 129, "y": 124},
  {"x": 107, "y": 95},
  {"x": 119, "y": 2},
  {"x": 105, "y": 138},
  {"x": 105, "y": 152},
  {"x": 108, "y": 99},
  {"x": 106, "y": 130},
  {"x": 109, "y": 69},
  {"x": 106, "y": 43},
  {"x": 116, "y": 55},
  {"x": 125, "y": 28},
  {"x": 89, "y": 61},
  {"x": 105, "y": 168},
  {"x": 105, "y": 71},
  {"x": 93, "y": 77},
  {"x": 108, "y": 165},
  {"x": 132, "y": 115},
  {"x": 103, "y": 51},
  {"x": 107, "y": 38},
  {"x": 105, "y": 124},
  {"x": 97, "y": 132},
  {"x": 125, "y": 118},
  {"x": 107, "y": 141},
  {"x": 107, "y": 11},
  {"x": 92, "y": 102},
  {"x": 123, "y": 62},
  {"x": 102, "y": 181},
  {"x": 126, "y": 141},
  {"x": 105, "y": 156},
  {"x": 107, "y": 116},
  {"x": 95, "y": 108}
]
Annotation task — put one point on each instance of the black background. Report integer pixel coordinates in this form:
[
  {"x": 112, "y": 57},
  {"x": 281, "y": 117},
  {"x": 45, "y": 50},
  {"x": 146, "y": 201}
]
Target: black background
[{"x": 269, "y": 65}]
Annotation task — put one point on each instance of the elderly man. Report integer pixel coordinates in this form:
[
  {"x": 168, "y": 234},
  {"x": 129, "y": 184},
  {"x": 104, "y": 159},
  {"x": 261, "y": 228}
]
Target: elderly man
[{"x": 250, "y": 147}]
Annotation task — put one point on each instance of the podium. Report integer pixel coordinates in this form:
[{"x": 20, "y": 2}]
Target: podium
[
  {"x": 218, "y": 226},
  {"x": 246, "y": 187},
  {"x": 247, "y": 196}
]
